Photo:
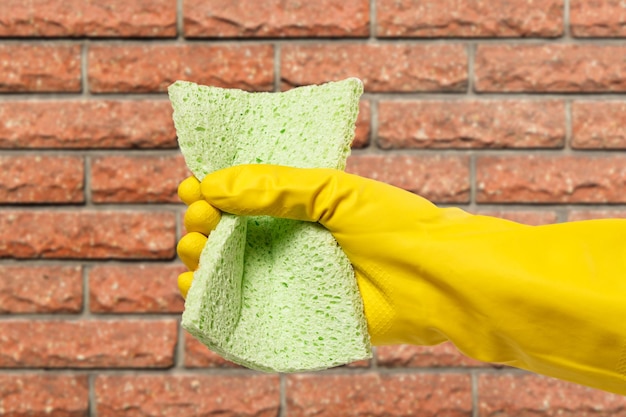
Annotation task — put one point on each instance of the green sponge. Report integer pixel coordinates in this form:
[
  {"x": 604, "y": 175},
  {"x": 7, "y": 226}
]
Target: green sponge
[{"x": 272, "y": 294}]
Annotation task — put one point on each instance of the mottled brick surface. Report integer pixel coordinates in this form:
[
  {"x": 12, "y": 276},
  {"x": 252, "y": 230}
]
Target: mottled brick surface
[
  {"x": 40, "y": 67},
  {"x": 42, "y": 179},
  {"x": 545, "y": 179},
  {"x": 599, "y": 124},
  {"x": 512, "y": 109},
  {"x": 530, "y": 217},
  {"x": 564, "y": 68},
  {"x": 86, "y": 124},
  {"x": 40, "y": 289},
  {"x": 598, "y": 18},
  {"x": 87, "y": 234},
  {"x": 469, "y": 18},
  {"x": 152, "y": 68},
  {"x": 177, "y": 395},
  {"x": 471, "y": 124},
  {"x": 418, "y": 395},
  {"x": 49, "y": 18},
  {"x": 382, "y": 67},
  {"x": 139, "y": 179},
  {"x": 438, "y": 178},
  {"x": 577, "y": 215},
  {"x": 276, "y": 18},
  {"x": 135, "y": 289},
  {"x": 29, "y": 395},
  {"x": 532, "y": 395},
  {"x": 199, "y": 356},
  {"x": 363, "y": 131},
  {"x": 87, "y": 344},
  {"x": 409, "y": 356}
]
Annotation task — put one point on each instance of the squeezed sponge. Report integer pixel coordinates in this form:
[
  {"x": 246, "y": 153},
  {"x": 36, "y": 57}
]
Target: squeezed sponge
[{"x": 272, "y": 294}]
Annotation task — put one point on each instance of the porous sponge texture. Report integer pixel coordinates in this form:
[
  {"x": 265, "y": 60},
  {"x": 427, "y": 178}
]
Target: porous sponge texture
[
  {"x": 307, "y": 127},
  {"x": 272, "y": 294}
]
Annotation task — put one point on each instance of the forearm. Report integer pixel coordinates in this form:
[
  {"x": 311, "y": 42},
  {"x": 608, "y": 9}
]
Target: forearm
[{"x": 550, "y": 299}]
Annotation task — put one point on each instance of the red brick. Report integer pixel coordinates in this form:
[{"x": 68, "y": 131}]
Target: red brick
[
  {"x": 137, "y": 179},
  {"x": 471, "y": 124},
  {"x": 550, "y": 68},
  {"x": 469, "y": 18},
  {"x": 23, "y": 395},
  {"x": 152, "y": 68},
  {"x": 388, "y": 395},
  {"x": 40, "y": 289},
  {"x": 87, "y": 124},
  {"x": 39, "y": 68},
  {"x": 182, "y": 231},
  {"x": 598, "y": 18},
  {"x": 530, "y": 217},
  {"x": 178, "y": 395},
  {"x": 199, "y": 356},
  {"x": 363, "y": 130},
  {"x": 42, "y": 179},
  {"x": 382, "y": 67},
  {"x": 276, "y": 18},
  {"x": 364, "y": 363},
  {"x": 532, "y": 395},
  {"x": 45, "y": 18},
  {"x": 87, "y": 344},
  {"x": 578, "y": 215},
  {"x": 599, "y": 124},
  {"x": 408, "y": 356},
  {"x": 546, "y": 179},
  {"x": 438, "y": 178},
  {"x": 87, "y": 234},
  {"x": 135, "y": 289}
]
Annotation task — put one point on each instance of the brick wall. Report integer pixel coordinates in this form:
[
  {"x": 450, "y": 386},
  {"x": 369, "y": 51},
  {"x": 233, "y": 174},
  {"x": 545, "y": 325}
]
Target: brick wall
[{"x": 511, "y": 108}]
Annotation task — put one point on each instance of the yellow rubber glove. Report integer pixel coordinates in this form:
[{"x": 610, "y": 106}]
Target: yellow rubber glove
[
  {"x": 200, "y": 219},
  {"x": 549, "y": 299}
]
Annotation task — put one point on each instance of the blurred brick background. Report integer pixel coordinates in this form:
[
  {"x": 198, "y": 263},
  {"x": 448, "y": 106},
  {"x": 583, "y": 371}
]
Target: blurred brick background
[{"x": 512, "y": 108}]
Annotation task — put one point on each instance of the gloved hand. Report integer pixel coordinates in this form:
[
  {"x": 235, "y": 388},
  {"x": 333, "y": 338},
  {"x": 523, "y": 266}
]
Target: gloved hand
[
  {"x": 550, "y": 299},
  {"x": 200, "y": 219}
]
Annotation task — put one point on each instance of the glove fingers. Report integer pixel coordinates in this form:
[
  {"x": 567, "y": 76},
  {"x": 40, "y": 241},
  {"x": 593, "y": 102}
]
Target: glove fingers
[
  {"x": 337, "y": 200},
  {"x": 189, "y": 249},
  {"x": 278, "y": 191},
  {"x": 184, "y": 282},
  {"x": 201, "y": 217},
  {"x": 263, "y": 190},
  {"x": 189, "y": 190}
]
